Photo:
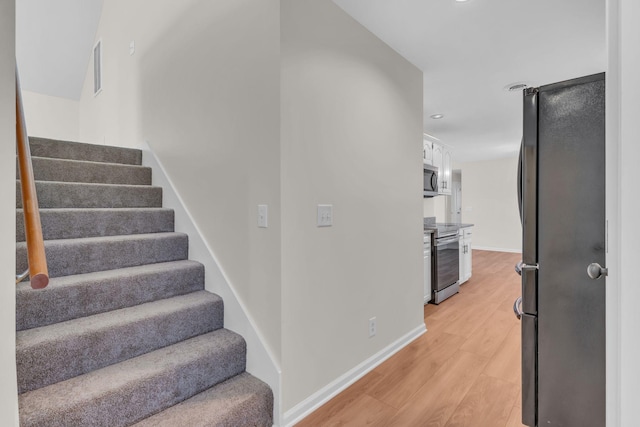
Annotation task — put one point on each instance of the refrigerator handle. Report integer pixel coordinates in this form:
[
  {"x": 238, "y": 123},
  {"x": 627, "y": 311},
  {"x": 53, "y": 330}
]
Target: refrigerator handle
[
  {"x": 520, "y": 181},
  {"x": 516, "y": 308}
]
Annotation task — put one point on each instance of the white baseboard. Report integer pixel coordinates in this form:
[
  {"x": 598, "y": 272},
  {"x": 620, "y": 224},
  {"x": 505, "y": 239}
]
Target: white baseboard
[
  {"x": 484, "y": 248},
  {"x": 322, "y": 396}
]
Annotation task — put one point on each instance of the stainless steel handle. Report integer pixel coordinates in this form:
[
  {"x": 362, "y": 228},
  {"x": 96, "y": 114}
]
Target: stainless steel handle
[
  {"x": 516, "y": 307},
  {"x": 595, "y": 271},
  {"x": 522, "y": 266},
  {"x": 440, "y": 242}
]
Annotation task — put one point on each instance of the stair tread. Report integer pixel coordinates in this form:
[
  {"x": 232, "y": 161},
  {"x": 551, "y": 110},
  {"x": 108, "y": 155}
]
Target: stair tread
[
  {"x": 85, "y": 171},
  {"x": 59, "y": 194},
  {"x": 240, "y": 401},
  {"x": 54, "y": 353},
  {"x": 101, "y": 291},
  {"x": 103, "y": 239},
  {"x": 98, "y": 276},
  {"x": 70, "y": 223},
  {"x": 67, "y": 257},
  {"x": 117, "y": 395},
  {"x": 89, "y": 162},
  {"x": 55, "y": 148},
  {"x": 110, "y": 319}
]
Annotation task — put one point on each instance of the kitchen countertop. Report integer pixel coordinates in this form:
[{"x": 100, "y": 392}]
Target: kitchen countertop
[{"x": 452, "y": 226}]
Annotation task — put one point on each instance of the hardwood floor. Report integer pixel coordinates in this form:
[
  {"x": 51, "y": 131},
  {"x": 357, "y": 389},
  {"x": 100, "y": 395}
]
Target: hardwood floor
[{"x": 465, "y": 371}]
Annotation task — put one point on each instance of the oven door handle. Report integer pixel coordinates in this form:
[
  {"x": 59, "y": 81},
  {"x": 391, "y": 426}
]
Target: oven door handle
[{"x": 440, "y": 242}]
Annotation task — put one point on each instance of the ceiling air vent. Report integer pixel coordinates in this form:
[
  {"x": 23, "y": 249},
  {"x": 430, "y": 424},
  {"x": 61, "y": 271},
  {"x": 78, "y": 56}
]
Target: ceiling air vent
[{"x": 97, "y": 68}]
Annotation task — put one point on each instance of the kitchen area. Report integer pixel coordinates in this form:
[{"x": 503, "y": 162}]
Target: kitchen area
[{"x": 447, "y": 245}]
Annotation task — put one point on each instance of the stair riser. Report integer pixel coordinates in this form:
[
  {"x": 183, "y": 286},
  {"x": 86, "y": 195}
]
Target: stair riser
[
  {"x": 42, "y": 147},
  {"x": 72, "y": 297},
  {"x": 62, "y": 357},
  {"x": 73, "y": 224},
  {"x": 46, "y": 169},
  {"x": 67, "y": 257},
  {"x": 126, "y": 399},
  {"x": 73, "y": 195}
]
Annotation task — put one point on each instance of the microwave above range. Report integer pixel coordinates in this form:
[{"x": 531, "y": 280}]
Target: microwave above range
[{"x": 430, "y": 181}]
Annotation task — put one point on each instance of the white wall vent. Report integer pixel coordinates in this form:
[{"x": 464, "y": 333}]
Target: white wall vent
[{"x": 97, "y": 68}]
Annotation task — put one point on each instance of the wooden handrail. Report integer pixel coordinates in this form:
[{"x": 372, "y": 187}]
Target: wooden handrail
[{"x": 32, "y": 227}]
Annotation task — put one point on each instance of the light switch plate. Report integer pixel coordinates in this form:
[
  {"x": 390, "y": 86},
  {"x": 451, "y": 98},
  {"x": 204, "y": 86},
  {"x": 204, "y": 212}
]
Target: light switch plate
[
  {"x": 263, "y": 212},
  {"x": 325, "y": 215}
]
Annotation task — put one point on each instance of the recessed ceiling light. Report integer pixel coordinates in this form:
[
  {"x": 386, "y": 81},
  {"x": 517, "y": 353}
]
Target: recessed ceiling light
[
  {"x": 516, "y": 87},
  {"x": 461, "y": 1},
  {"x": 436, "y": 116}
]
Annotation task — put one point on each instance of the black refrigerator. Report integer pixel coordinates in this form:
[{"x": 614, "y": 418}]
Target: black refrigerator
[{"x": 561, "y": 190}]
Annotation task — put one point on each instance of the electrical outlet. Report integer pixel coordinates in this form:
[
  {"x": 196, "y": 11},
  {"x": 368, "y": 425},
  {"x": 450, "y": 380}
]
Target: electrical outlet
[
  {"x": 373, "y": 328},
  {"x": 325, "y": 215},
  {"x": 262, "y": 216},
  {"x": 132, "y": 47}
]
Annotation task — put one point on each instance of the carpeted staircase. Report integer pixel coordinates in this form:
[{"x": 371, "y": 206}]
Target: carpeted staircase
[{"x": 125, "y": 333}]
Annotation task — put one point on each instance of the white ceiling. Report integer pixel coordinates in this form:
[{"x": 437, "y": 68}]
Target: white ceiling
[
  {"x": 470, "y": 51},
  {"x": 54, "y": 42}
]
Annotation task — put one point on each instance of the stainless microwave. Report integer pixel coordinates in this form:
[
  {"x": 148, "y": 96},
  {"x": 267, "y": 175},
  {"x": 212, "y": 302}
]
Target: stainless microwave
[{"x": 430, "y": 181}]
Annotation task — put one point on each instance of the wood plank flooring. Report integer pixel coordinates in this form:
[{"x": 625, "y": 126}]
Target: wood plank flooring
[{"x": 465, "y": 371}]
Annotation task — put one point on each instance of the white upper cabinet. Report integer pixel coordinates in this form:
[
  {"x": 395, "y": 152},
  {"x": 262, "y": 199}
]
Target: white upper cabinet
[
  {"x": 437, "y": 162},
  {"x": 427, "y": 151},
  {"x": 442, "y": 160}
]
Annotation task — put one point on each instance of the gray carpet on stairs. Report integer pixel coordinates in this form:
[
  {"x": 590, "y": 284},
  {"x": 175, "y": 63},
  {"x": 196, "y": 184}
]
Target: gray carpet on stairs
[
  {"x": 66, "y": 350},
  {"x": 241, "y": 401},
  {"x": 47, "y": 169},
  {"x": 101, "y": 291},
  {"x": 53, "y": 194},
  {"x": 130, "y": 391},
  {"x": 125, "y": 332},
  {"x": 78, "y": 223},
  {"x": 43, "y": 147},
  {"x": 77, "y": 256}
]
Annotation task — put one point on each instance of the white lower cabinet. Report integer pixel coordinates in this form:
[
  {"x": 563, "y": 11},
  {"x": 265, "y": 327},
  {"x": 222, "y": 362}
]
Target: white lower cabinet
[
  {"x": 427, "y": 267},
  {"x": 465, "y": 254}
]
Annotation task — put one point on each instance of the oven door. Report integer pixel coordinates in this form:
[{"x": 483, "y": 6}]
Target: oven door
[{"x": 447, "y": 261}]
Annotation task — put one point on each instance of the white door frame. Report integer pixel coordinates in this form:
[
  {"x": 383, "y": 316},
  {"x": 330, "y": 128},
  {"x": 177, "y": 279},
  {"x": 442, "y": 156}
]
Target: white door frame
[{"x": 623, "y": 203}]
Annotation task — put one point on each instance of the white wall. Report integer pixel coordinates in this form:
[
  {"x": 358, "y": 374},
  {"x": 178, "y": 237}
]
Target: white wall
[
  {"x": 489, "y": 201},
  {"x": 203, "y": 90},
  {"x": 51, "y": 116},
  {"x": 351, "y": 137},
  {"x": 625, "y": 65},
  {"x": 208, "y": 105},
  {"x": 112, "y": 116},
  {"x": 8, "y": 387}
]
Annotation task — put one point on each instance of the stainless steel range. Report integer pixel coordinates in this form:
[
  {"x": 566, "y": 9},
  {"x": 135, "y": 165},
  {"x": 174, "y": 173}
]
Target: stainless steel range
[{"x": 445, "y": 277}]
